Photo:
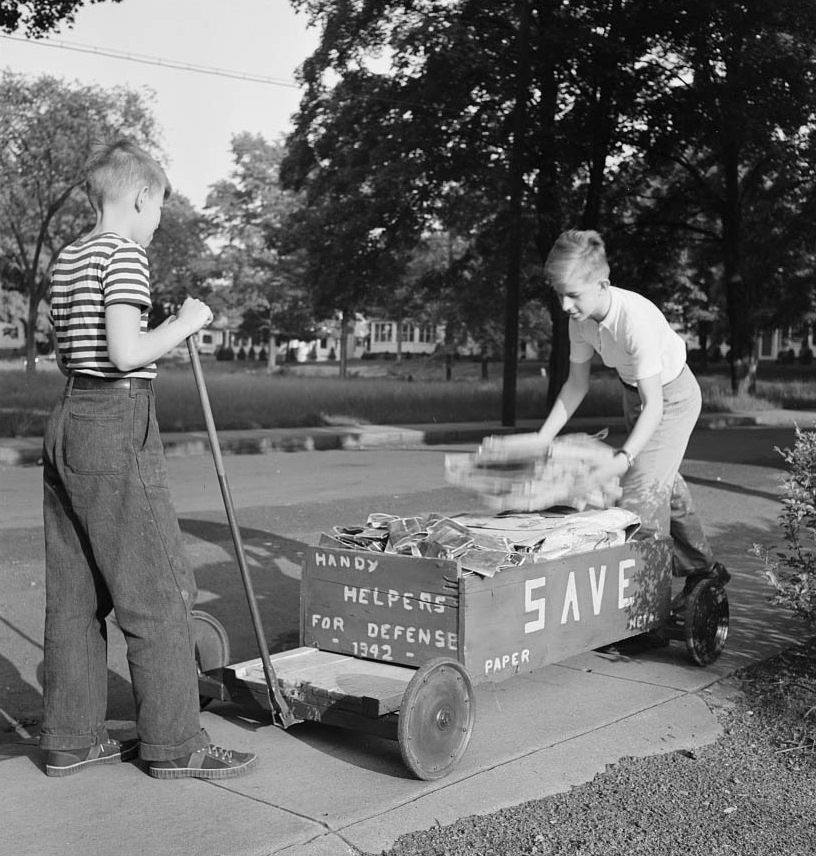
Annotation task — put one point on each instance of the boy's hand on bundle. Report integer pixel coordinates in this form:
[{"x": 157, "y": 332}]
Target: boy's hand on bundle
[{"x": 603, "y": 480}]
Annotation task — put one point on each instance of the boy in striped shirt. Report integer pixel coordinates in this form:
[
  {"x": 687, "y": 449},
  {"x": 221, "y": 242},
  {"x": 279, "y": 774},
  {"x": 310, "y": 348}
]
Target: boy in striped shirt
[{"x": 111, "y": 535}]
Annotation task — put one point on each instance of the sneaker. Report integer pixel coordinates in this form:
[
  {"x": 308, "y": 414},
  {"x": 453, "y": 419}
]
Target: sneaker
[
  {"x": 719, "y": 572},
  {"x": 66, "y": 762},
  {"x": 211, "y": 762}
]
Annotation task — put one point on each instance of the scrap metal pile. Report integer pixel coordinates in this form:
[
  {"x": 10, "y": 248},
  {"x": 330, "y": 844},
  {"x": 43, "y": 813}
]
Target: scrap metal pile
[
  {"x": 486, "y": 545},
  {"x": 520, "y": 473}
]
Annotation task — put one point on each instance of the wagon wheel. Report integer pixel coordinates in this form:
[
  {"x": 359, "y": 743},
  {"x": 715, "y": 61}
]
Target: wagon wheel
[
  {"x": 705, "y": 624},
  {"x": 436, "y": 718},
  {"x": 212, "y": 649}
]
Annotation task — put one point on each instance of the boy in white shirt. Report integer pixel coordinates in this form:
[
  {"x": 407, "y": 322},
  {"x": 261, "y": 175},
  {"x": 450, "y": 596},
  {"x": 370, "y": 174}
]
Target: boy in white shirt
[{"x": 661, "y": 396}]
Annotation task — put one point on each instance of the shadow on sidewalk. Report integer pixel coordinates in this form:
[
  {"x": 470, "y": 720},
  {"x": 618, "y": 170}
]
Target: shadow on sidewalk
[{"x": 274, "y": 563}]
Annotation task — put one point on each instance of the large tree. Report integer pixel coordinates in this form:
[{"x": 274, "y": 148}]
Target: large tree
[
  {"x": 37, "y": 18},
  {"x": 496, "y": 121},
  {"x": 47, "y": 128},
  {"x": 247, "y": 213},
  {"x": 727, "y": 147},
  {"x": 181, "y": 262}
]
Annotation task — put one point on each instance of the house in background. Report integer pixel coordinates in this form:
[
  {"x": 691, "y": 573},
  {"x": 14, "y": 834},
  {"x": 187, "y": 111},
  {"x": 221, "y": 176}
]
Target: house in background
[
  {"x": 414, "y": 338},
  {"x": 786, "y": 344},
  {"x": 12, "y": 337}
]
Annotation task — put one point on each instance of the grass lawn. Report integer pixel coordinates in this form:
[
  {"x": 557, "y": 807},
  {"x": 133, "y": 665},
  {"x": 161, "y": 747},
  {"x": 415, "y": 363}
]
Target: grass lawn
[{"x": 244, "y": 395}]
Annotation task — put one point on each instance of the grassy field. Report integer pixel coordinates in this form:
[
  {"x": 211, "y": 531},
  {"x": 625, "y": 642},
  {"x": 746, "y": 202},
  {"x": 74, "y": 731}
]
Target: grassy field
[{"x": 244, "y": 395}]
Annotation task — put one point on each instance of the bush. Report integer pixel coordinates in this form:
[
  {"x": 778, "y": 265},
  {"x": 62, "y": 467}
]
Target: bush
[
  {"x": 806, "y": 356},
  {"x": 241, "y": 353},
  {"x": 225, "y": 353},
  {"x": 791, "y": 569}
]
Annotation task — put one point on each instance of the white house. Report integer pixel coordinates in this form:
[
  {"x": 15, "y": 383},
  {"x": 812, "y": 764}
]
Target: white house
[
  {"x": 12, "y": 335},
  {"x": 773, "y": 343},
  {"x": 414, "y": 338}
]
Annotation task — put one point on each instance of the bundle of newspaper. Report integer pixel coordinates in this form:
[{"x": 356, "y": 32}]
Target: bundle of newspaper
[
  {"x": 520, "y": 473},
  {"x": 431, "y": 535},
  {"x": 485, "y": 545}
]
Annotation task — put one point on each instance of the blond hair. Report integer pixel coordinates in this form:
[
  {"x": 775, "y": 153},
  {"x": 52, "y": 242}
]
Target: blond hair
[
  {"x": 115, "y": 168},
  {"x": 577, "y": 255}
]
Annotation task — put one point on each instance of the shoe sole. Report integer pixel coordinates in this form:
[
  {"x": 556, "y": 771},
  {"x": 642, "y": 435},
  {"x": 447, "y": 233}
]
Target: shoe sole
[
  {"x": 61, "y": 772},
  {"x": 198, "y": 773}
]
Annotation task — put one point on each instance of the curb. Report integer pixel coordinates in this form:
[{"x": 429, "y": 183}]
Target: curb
[{"x": 27, "y": 451}]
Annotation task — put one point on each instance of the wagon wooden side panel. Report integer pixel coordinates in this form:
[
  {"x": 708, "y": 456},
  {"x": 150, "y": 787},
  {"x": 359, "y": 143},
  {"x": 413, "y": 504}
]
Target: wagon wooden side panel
[
  {"x": 544, "y": 612},
  {"x": 380, "y": 606}
]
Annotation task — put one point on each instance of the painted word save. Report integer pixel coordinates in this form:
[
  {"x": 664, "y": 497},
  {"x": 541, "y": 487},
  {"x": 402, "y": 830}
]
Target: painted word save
[{"x": 535, "y": 600}]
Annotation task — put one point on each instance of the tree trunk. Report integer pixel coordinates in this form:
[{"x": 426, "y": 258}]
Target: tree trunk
[
  {"x": 272, "y": 356},
  {"x": 485, "y": 360},
  {"x": 344, "y": 345},
  {"x": 702, "y": 336},
  {"x": 558, "y": 365},
  {"x": 549, "y": 213},
  {"x": 744, "y": 373},
  {"x": 31, "y": 333},
  {"x": 515, "y": 246},
  {"x": 399, "y": 340},
  {"x": 738, "y": 304}
]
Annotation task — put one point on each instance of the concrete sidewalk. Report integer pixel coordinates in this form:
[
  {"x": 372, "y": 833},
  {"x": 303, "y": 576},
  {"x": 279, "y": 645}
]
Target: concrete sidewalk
[
  {"x": 321, "y": 791},
  {"x": 27, "y": 450}
]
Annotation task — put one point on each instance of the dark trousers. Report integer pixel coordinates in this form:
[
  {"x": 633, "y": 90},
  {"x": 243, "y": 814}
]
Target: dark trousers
[{"x": 112, "y": 542}]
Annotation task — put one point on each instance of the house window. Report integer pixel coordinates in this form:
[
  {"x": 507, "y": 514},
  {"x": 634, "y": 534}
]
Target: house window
[
  {"x": 324, "y": 343},
  {"x": 766, "y": 344},
  {"x": 407, "y": 331},
  {"x": 206, "y": 338},
  {"x": 425, "y": 334},
  {"x": 382, "y": 331}
]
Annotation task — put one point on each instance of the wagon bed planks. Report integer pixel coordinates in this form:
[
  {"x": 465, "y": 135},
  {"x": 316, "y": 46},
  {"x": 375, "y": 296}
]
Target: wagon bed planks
[{"x": 327, "y": 680}]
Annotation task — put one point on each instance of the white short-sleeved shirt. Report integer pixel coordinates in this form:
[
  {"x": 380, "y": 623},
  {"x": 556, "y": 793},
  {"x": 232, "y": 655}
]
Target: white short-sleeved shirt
[{"x": 634, "y": 338}]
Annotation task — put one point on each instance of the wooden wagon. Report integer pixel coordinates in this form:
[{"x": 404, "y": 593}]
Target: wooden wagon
[{"x": 392, "y": 645}]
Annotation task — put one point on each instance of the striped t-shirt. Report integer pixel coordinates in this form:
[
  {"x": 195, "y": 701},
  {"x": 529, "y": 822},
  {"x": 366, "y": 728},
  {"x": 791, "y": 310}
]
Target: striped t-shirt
[{"x": 88, "y": 276}]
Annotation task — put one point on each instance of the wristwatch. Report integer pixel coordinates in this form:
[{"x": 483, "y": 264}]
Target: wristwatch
[{"x": 630, "y": 460}]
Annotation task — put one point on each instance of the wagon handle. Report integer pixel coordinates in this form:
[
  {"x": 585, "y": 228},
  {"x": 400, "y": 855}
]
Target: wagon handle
[{"x": 277, "y": 702}]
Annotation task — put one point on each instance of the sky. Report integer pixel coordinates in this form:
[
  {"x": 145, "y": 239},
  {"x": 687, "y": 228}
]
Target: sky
[{"x": 198, "y": 114}]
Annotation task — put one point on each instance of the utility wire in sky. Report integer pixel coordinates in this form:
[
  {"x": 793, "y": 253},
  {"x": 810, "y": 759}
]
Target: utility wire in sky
[
  {"x": 151, "y": 60},
  {"x": 205, "y": 69}
]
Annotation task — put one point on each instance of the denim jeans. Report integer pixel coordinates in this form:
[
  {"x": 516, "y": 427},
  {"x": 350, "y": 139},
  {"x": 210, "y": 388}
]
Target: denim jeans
[
  {"x": 112, "y": 542},
  {"x": 654, "y": 488}
]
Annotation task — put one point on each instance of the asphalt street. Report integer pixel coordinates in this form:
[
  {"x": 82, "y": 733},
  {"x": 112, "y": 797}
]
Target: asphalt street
[{"x": 284, "y": 501}]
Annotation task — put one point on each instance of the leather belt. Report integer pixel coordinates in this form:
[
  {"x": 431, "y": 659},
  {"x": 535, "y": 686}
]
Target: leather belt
[{"x": 83, "y": 381}]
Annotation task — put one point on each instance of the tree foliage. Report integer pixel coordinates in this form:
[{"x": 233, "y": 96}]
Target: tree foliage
[
  {"x": 247, "y": 213},
  {"x": 727, "y": 171},
  {"x": 683, "y": 130},
  {"x": 47, "y": 128},
  {"x": 180, "y": 259},
  {"x": 37, "y": 18}
]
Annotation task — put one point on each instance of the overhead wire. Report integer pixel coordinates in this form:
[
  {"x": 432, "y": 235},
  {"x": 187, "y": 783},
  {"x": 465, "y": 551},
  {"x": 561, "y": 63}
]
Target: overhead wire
[{"x": 143, "y": 59}]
